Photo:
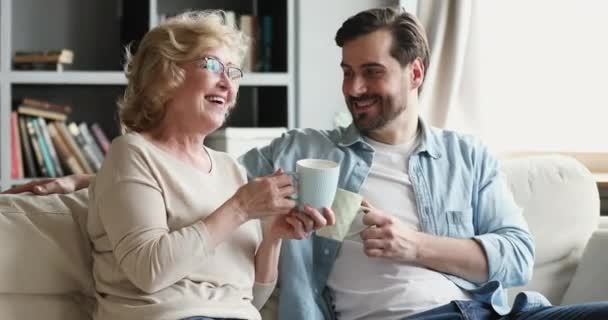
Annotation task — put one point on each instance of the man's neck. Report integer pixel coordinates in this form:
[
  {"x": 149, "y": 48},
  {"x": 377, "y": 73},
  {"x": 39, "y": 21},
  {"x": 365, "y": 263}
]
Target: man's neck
[{"x": 396, "y": 132}]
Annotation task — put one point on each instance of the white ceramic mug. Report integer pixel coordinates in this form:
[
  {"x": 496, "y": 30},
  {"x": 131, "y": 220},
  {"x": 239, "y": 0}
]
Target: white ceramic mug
[{"x": 316, "y": 181}]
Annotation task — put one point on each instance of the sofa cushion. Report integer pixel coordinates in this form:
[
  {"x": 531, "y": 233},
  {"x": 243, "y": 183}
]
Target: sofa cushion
[
  {"x": 47, "y": 307},
  {"x": 560, "y": 201},
  {"x": 45, "y": 249}
]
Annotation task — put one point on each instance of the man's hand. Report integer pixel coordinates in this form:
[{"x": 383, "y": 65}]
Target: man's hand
[
  {"x": 65, "y": 184},
  {"x": 388, "y": 237}
]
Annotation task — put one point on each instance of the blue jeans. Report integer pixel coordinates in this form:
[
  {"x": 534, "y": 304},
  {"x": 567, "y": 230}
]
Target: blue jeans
[{"x": 473, "y": 310}]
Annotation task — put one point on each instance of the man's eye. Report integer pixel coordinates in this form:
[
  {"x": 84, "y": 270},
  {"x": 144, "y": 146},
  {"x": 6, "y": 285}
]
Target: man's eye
[{"x": 373, "y": 73}]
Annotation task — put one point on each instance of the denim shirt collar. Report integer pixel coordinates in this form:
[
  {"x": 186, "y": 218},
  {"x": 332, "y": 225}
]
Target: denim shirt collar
[{"x": 429, "y": 143}]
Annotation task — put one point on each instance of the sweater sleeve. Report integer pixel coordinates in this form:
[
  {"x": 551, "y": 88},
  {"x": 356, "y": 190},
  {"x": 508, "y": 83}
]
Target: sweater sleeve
[
  {"x": 152, "y": 257},
  {"x": 261, "y": 293}
]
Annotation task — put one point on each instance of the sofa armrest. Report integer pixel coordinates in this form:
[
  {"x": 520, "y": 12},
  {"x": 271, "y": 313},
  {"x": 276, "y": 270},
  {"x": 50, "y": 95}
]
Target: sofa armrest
[{"x": 590, "y": 281}]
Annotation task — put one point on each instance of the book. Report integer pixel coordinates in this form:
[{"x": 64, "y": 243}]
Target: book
[
  {"x": 68, "y": 159},
  {"x": 51, "y": 147},
  {"x": 26, "y": 148},
  {"x": 16, "y": 160},
  {"x": 101, "y": 137},
  {"x": 59, "y": 67},
  {"x": 87, "y": 150},
  {"x": 73, "y": 146},
  {"x": 88, "y": 137},
  {"x": 45, "y": 105},
  {"x": 249, "y": 26},
  {"x": 63, "y": 56},
  {"x": 265, "y": 47},
  {"x": 44, "y": 149},
  {"x": 37, "y": 150},
  {"x": 38, "y": 112}
]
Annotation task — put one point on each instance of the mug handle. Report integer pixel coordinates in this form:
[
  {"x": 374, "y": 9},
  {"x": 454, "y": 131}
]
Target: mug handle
[{"x": 365, "y": 210}]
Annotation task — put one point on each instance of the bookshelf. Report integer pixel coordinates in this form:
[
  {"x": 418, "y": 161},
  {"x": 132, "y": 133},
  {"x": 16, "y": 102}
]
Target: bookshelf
[{"x": 97, "y": 30}]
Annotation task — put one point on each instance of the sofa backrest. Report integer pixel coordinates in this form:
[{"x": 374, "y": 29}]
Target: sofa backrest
[
  {"x": 560, "y": 201},
  {"x": 45, "y": 260}
]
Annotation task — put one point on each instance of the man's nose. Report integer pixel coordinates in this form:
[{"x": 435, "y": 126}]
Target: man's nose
[{"x": 355, "y": 87}]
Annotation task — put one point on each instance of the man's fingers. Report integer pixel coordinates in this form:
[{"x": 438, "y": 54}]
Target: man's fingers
[
  {"x": 372, "y": 233},
  {"x": 373, "y": 244},
  {"x": 366, "y": 204},
  {"x": 374, "y": 253},
  {"x": 376, "y": 218}
]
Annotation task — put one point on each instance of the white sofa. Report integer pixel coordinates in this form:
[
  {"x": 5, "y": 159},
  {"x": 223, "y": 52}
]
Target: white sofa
[{"x": 45, "y": 261}]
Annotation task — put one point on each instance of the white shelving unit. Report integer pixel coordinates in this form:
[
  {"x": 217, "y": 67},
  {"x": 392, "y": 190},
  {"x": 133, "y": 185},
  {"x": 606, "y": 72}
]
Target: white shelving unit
[{"x": 92, "y": 30}]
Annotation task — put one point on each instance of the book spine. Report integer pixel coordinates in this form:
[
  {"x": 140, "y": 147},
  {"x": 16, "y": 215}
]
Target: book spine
[
  {"x": 29, "y": 102},
  {"x": 16, "y": 161},
  {"x": 31, "y": 129},
  {"x": 86, "y": 149},
  {"x": 249, "y": 27},
  {"x": 68, "y": 159},
  {"x": 49, "y": 143},
  {"x": 44, "y": 149},
  {"x": 37, "y": 112},
  {"x": 102, "y": 138},
  {"x": 26, "y": 148},
  {"x": 73, "y": 147},
  {"x": 86, "y": 134}
]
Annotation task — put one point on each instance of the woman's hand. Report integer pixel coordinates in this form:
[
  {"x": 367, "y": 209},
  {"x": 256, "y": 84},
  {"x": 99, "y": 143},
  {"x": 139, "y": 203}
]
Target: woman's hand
[
  {"x": 297, "y": 225},
  {"x": 65, "y": 184},
  {"x": 266, "y": 196}
]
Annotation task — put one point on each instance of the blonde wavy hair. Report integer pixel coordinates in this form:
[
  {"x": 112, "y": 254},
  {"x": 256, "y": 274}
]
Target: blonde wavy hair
[{"x": 153, "y": 72}]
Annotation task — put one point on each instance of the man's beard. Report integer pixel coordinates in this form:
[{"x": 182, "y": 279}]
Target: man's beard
[{"x": 365, "y": 122}]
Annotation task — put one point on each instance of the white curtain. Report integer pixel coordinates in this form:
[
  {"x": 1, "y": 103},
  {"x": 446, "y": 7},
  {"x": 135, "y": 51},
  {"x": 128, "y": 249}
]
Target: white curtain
[{"x": 450, "y": 96}]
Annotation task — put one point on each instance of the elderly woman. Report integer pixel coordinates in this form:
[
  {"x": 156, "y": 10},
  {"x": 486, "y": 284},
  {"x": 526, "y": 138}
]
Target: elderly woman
[{"x": 175, "y": 227}]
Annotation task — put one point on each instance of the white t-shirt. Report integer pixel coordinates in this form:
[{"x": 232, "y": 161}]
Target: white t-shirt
[{"x": 379, "y": 288}]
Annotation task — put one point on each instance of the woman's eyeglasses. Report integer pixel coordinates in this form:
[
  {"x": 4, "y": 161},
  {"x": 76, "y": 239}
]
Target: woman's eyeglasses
[{"x": 214, "y": 65}]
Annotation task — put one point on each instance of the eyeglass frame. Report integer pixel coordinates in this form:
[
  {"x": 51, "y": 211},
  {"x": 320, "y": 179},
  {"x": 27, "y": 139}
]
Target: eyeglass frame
[{"x": 204, "y": 61}]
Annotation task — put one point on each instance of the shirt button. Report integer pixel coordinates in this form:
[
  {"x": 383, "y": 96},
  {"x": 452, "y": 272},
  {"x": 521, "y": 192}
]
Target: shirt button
[
  {"x": 326, "y": 251},
  {"x": 316, "y": 291}
]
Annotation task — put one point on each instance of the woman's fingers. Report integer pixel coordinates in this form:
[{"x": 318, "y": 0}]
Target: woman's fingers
[{"x": 330, "y": 216}]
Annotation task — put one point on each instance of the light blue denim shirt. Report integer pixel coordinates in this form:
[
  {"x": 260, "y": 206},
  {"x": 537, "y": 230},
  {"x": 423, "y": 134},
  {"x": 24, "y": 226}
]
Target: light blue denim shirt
[{"x": 459, "y": 192}]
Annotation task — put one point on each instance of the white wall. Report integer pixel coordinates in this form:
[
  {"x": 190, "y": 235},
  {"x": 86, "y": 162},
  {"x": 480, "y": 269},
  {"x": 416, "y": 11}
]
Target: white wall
[
  {"x": 544, "y": 71},
  {"x": 319, "y": 77}
]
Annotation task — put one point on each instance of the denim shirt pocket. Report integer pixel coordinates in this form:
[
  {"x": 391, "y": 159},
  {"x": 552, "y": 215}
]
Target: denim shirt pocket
[{"x": 460, "y": 223}]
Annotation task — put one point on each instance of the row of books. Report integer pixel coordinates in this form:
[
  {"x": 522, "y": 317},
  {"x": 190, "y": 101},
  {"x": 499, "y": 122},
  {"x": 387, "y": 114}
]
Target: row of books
[
  {"x": 50, "y": 148},
  {"x": 259, "y": 30}
]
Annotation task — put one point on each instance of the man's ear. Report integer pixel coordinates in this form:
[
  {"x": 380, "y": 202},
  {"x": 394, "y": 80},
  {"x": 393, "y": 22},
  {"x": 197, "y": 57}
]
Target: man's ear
[{"x": 416, "y": 73}]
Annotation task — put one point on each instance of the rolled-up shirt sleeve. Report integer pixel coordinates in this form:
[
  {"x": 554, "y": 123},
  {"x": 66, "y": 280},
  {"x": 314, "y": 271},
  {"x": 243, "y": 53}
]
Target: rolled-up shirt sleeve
[{"x": 501, "y": 228}]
